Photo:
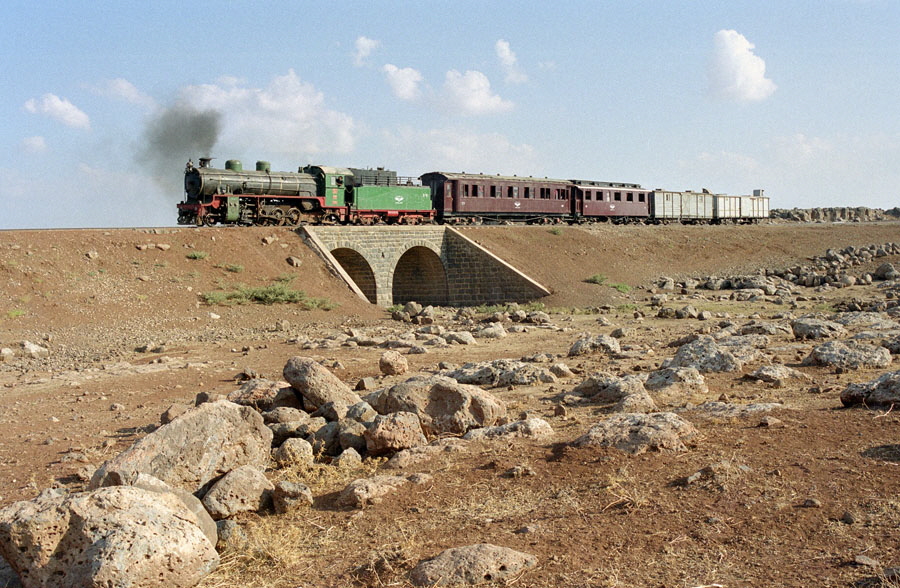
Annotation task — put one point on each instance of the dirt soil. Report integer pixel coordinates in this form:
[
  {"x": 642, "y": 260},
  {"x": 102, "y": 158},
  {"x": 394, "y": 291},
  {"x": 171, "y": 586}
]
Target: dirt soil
[{"x": 795, "y": 506}]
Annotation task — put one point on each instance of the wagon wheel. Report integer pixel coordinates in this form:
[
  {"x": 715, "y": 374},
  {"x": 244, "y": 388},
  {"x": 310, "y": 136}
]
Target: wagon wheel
[
  {"x": 293, "y": 216},
  {"x": 209, "y": 220}
]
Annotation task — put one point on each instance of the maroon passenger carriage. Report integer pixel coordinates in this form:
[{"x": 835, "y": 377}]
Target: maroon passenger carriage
[
  {"x": 461, "y": 197},
  {"x": 618, "y": 202}
]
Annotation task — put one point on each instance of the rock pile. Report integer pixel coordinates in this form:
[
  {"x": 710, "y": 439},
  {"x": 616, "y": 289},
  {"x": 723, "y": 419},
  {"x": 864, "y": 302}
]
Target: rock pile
[
  {"x": 831, "y": 214},
  {"x": 834, "y": 269}
]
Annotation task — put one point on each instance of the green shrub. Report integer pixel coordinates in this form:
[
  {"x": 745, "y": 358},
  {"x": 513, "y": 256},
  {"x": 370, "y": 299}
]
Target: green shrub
[
  {"x": 598, "y": 279},
  {"x": 197, "y": 255},
  {"x": 15, "y": 313},
  {"x": 555, "y": 231},
  {"x": 234, "y": 268},
  {"x": 277, "y": 293},
  {"x": 623, "y": 288}
]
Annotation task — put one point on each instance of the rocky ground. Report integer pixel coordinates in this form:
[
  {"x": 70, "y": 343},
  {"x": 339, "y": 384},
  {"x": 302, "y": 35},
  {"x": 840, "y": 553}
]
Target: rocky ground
[{"x": 778, "y": 484}]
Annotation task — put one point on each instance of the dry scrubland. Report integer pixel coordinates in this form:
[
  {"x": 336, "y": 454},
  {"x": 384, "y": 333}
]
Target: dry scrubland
[{"x": 811, "y": 498}]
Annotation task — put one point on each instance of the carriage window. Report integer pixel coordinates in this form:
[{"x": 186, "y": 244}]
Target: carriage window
[
  {"x": 527, "y": 191},
  {"x": 641, "y": 197},
  {"x": 510, "y": 192},
  {"x": 477, "y": 191},
  {"x": 587, "y": 194},
  {"x": 617, "y": 196},
  {"x": 465, "y": 190},
  {"x": 493, "y": 191},
  {"x": 629, "y": 197}
]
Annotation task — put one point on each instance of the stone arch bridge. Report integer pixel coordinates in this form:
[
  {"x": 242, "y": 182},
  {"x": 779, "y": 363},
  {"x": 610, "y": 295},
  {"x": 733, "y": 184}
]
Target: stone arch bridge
[{"x": 429, "y": 264}]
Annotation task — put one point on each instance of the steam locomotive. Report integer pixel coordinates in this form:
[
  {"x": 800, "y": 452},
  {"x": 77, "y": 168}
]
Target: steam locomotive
[{"x": 321, "y": 194}]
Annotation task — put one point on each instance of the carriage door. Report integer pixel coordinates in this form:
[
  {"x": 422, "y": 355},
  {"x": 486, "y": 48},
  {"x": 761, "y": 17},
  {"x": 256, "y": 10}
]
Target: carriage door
[{"x": 577, "y": 201}]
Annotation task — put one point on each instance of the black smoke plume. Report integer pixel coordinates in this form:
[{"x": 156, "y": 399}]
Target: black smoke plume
[{"x": 177, "y": 134}]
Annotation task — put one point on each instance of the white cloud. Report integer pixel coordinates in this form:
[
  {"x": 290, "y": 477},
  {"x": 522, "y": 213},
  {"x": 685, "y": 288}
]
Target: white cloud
[
  {"x": 59, "y": 109},
  {"x": 470, "y": 93},
  {"x": 798, "y": 149},
  {"x": 455, "y": 149},
  {"x": 507, "y": 57},
  {"x": 404, "y": 82},
  {"x": 34, "y": 144},
  {"x": 735, "y": 72},
  {"x": 122, "y": 89},
  {"x": 287, "y": 117},
  {"x": 364, "y": 48}
]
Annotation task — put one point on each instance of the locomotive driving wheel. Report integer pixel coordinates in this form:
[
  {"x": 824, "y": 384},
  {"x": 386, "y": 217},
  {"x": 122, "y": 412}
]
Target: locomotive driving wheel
[
  {"x": 278, "y": 217},
  {"x": 293, "y": 216}
]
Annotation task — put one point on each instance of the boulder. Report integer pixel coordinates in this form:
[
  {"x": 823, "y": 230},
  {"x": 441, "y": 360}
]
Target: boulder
[
  {"x": 316, "y": 383},
  {"x": 265, "y": 395},
  {"x": 849, "y": 355},
  {"x": 414, "y": 456},
  {"x": 121, "y": 536},
  {"x": 442, "y": 404},
  {"x": 349, "y": 458},
  {"x": 882, "y": 391},
  {"x": 589, "y": 344},
  {"x": 473, "y": 564},
  {"x": 331, "y": 411},
  {"x": 281, "y": 432},
  {"x": 34, "y": 351},
  {"x": 605, "y": 387},
  {"x": 533, "y": 428},
  {"x": 706, "y": 356},
  {"x": 289, "y": 496},
  {"x": 204, "y": 521},
  {"x": 727, "y": 410},
  {"x": 886, "y": 271},
  {"x": 676, "y": 385},
  {"x": 194, "y": 449},
  {"x": 244, "y": 489},
  {"x": 501, "y": 372},
  {"x": 460, "y": 337},
  {"x": 361, "y": 412},
  {"x": 777, "y": 374},
  {"x": 294, "y": 452},
  {"x": 637, "y": 433},
  {"x": 812, "y": 328},
  {"x": 365, "y": 491},
  {"x": 492, "y": 331},
  {"x": 635, "y": 403},
  {"x": 351, "y": 435},
  {"x": 392, "y": 363},
  {"x": 394, "y": 432}
]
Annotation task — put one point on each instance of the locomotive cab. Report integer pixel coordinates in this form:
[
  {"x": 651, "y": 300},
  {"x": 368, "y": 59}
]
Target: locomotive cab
[{"x": 332, "y": 183}]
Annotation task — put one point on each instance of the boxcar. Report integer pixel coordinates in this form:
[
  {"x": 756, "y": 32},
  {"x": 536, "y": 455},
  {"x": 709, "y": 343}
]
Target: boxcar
[
  {"x": 754, "y": 207},
  {"x": 479, "y": 196},
  {"x": 726, "y": 208},
  {"x": 685, "y": 207}
]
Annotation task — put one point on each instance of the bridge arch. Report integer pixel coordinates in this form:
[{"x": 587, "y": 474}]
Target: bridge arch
[
  {"x": 420, "y": 275},
  {"x": 359, "y": 270}
]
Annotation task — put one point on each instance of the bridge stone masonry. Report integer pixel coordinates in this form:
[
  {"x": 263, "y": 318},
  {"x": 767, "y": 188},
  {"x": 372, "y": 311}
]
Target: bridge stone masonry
[{"x": 435, "y": 265}]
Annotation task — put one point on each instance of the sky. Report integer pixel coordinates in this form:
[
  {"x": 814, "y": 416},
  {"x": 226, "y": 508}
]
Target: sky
[{"x": 103, "y": 103}]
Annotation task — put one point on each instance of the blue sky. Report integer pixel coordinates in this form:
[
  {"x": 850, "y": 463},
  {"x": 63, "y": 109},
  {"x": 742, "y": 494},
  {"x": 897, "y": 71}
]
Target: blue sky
[{"x": 104, "y": 102}]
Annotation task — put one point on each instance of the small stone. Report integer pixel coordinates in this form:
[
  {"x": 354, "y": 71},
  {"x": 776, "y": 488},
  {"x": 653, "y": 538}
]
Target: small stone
[
  {"x": 865, "y": 560},
  {"x": 848, "y": 518},
  {"x": 812, "y": 503},
  {"x": 771, "y": 423}
]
